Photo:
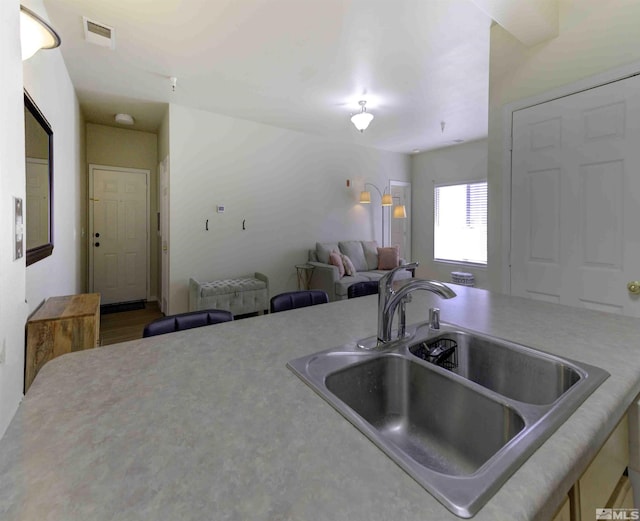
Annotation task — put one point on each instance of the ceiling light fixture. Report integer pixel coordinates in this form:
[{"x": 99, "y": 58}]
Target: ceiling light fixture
[
  {"x": 35, "y": 34},
  {"x": 124, "y": 119},
  {"x": 362, "y": 119}
]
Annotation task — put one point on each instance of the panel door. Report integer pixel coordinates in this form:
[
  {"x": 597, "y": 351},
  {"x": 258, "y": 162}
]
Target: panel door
[
  {"x": 575, "y": 199},
  {"x": 400, "y": 228},
  {"x": 119, "y": 235}
]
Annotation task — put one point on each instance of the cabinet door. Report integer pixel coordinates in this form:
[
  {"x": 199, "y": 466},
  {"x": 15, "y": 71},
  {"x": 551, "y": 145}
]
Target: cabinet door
[{"x": 597, "y": 484}]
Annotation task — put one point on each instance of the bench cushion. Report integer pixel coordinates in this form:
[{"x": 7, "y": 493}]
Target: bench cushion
[{"x": 224, "y": 286}]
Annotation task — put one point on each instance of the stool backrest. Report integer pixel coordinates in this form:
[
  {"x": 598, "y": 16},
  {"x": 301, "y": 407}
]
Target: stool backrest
[
  {"x": 182, "y": 321},
  {"x": 298, "y": 299},
  {"x": 361, "y": 289}
]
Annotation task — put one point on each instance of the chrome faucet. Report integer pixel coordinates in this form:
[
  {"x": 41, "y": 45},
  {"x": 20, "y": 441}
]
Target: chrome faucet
[{"x": 389, "y": 299}]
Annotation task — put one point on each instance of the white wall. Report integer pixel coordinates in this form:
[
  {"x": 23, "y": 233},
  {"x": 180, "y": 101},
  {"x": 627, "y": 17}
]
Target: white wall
[
  {"x": 47, "y": 81},
  {"x": 595, "y": 36},
  {"x": 13, "y": 310},
  {"x": 289, "y": 188},
  {"x": 22, "y": 289},
  {"x": 460, "y": 163}
]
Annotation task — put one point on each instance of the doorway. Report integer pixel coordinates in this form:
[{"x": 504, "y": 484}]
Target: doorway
[
  {"x": 119, "y": 233},
  {"x": 400, "y": 227}
]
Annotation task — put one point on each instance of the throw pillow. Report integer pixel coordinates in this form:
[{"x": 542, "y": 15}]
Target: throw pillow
[
  {"x": 324, "y": 249},
  {"x": 353, "y": 250},
  {"x": 388, "y": 258},
  {"x": 348, "y": 266},
  {"x": 371, "y": 254},
  {"x": 336, "y": 260}
]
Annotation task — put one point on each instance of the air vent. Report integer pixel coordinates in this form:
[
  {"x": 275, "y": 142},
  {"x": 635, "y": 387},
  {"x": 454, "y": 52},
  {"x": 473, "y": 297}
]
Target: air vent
[{"x": 98, "y": 33}]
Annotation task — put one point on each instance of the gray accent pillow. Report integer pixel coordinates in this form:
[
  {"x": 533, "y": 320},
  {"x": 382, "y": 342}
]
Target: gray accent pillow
[
  {"x": 353, "y": 250},
  {"x": 324, "y": 249},
  {"x": 371, "y": 254}
]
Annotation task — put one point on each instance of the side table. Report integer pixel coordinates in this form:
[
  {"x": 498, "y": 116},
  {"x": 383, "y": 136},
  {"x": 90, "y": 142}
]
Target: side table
[
  {"x": 304, "y": 272},
  {"x": 61, "y": 325}
]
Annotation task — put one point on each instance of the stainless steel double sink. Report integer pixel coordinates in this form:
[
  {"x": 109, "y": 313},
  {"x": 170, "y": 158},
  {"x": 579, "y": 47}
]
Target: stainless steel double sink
[{"x": 459, "y": 411}]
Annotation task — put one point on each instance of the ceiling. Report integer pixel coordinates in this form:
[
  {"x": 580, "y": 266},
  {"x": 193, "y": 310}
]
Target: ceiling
[{"x": 296, "y": 64}]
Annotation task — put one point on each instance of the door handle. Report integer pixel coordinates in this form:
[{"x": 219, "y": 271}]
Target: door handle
[
  {"x": 97, "y": 244},
  {"x": 634, "y": 287}
]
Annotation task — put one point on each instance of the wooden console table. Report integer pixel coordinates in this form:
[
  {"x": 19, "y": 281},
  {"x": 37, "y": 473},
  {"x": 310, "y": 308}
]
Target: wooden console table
[{"x": 61, "y": 325}]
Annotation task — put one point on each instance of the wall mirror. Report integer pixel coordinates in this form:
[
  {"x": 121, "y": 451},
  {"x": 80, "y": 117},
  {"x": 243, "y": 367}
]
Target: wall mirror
[{"x": 39, "y": 193}]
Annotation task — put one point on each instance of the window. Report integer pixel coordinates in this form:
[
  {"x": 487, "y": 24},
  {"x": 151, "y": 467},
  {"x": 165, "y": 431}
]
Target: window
[{"x": 460, "y": 223}]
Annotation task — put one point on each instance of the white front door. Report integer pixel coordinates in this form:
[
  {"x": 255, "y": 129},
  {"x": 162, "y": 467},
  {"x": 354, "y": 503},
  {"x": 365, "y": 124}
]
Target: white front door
[
  {"x": 119, "y": 234},
  {"x": 576, "y": 199}
]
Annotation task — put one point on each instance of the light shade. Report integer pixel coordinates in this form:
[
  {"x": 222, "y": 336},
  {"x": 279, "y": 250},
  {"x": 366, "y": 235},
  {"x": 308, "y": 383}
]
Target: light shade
[
  {"x": 365, "y": 197},
  {"x": 35, "y": 34},
  {"x": 387, "y": 200},
  {"x": 362, "y": 119},
  {"x": 399, "y": 212},
  {"x": 124, "y": 119}
]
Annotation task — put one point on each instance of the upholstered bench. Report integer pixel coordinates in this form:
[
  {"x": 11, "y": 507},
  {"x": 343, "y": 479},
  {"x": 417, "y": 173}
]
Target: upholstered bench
[{"x": 241, "y": 296}]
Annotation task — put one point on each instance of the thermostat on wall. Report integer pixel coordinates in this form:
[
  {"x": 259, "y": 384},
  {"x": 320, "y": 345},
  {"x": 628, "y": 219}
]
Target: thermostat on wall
[{"x": 220, "y": 208}]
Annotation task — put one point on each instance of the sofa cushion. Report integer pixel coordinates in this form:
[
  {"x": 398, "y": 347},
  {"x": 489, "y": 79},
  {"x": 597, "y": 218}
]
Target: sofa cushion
[
  {"x": 378, "y": 274},
  {"x": 336, "y": 259},
  {"x": 388, "y": 258},
  {"x": 371, "y": 254},
  {"x": 324, "y": 249},
  {"x": 354, "y": 250},
  {"x": 342, "y": 285}
]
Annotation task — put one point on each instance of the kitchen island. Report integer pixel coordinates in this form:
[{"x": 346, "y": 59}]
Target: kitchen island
[{"x": 209, "y": 424}]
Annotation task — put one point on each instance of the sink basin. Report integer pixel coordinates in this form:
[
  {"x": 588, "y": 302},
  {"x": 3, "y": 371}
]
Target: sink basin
[
  {"x": 408, "y": 405},
  {"x": 513, "y": 371},
  {"x": 459, "y": 429}
]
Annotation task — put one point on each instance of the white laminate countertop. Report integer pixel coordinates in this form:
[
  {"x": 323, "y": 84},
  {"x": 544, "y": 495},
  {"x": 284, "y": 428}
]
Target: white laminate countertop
[{"x": 209, "y": 424}]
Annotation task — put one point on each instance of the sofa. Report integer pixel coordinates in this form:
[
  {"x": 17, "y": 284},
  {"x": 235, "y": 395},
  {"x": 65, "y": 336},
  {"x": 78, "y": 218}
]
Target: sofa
[{"x": 367, "y": 262}]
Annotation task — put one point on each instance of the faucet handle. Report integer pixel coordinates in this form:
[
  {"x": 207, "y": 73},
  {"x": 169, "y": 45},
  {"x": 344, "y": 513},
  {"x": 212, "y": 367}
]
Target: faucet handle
[{"x": 434, "y": 318}]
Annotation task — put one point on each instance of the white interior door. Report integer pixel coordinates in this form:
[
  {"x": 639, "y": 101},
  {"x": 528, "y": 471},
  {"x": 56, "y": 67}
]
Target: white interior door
[
  {"x": 119, "y": 248},
  {"x": 163, "y": 194},
  {"x": 575, "y": 199},
  {"x": 400, "y": 229}
]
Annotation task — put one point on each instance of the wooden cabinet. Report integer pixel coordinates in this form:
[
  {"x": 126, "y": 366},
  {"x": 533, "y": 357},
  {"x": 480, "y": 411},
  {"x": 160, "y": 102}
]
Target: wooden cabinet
[
  {"x": 61, "y": 325},
  {"x": 603, "y": 485}
]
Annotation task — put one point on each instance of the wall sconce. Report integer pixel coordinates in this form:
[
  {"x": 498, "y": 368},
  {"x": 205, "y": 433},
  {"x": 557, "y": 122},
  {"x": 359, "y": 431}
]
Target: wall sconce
[
  {"x": 385, "y": 200},
  {"x": 35, "y": 34}
]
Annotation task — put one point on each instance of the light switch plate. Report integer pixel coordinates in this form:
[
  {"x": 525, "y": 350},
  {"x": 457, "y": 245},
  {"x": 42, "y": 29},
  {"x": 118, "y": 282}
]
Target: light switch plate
[
  {"x": 220, "y": 208},
  {"x": 18, "y": 229}
]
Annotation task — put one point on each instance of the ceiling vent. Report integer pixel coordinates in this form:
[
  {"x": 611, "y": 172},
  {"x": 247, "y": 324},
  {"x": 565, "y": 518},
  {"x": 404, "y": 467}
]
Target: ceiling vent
[{"x": 99, "y": 34}]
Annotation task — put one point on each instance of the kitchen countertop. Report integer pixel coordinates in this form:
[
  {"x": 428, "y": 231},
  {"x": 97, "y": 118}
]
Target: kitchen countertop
[{"x": 210, "y": 424}]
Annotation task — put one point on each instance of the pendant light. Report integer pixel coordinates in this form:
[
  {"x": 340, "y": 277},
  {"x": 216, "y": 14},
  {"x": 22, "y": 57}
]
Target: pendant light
[
  {"x": 35, "y": 34},
  {"x": 362, "y": 119}
]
